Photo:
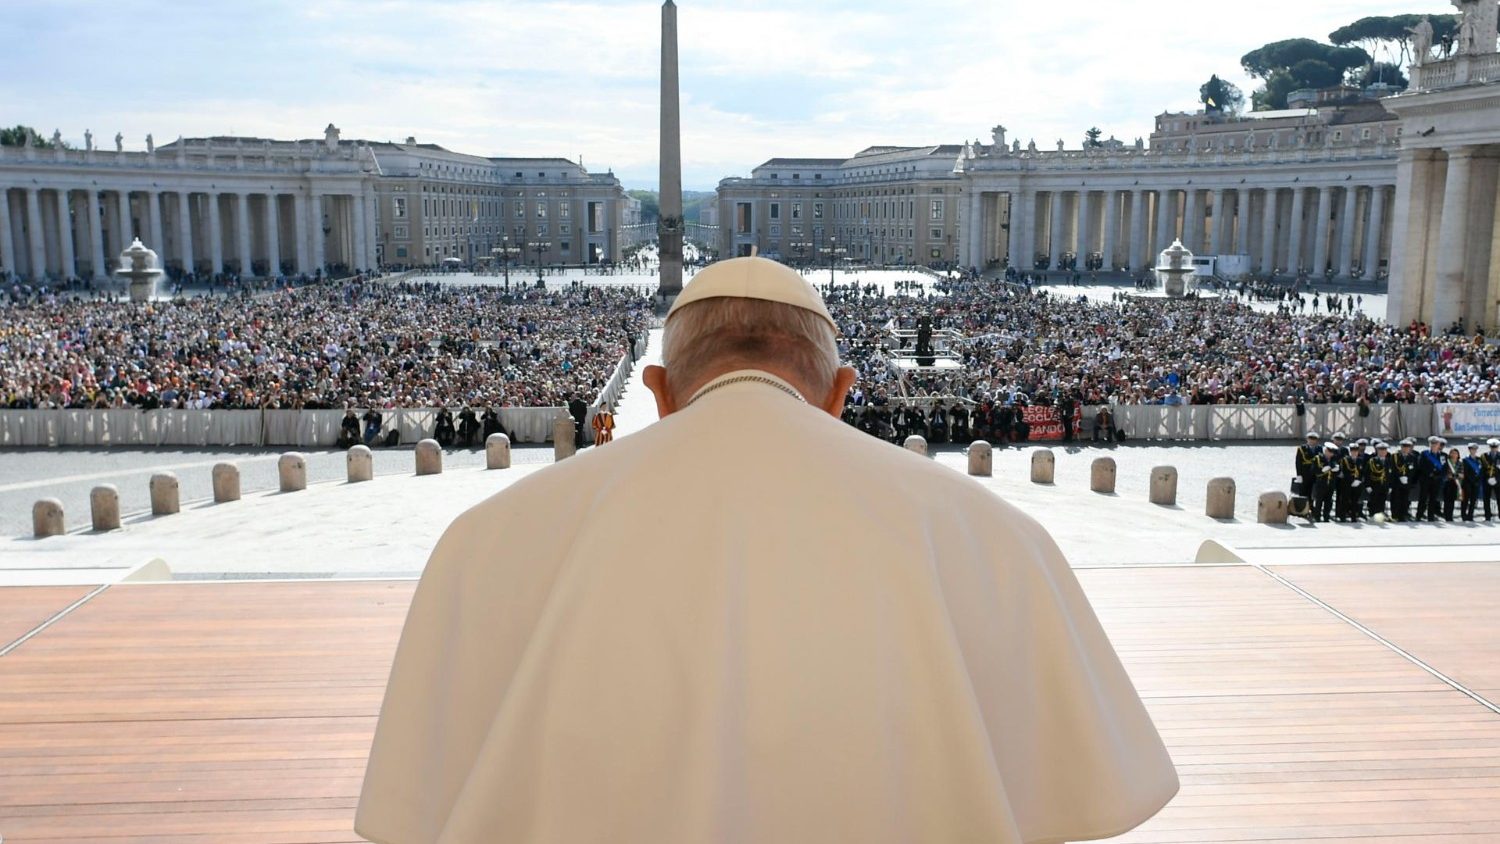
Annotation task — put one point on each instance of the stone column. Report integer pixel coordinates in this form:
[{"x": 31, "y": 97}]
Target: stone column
[
  {"x": 358, "y": 203},
  {"x": 973, "y": 247},
  {"x": 1320, "y": 231},
  {"x": 8, "y": 262},
  {"x": 127, "y": 220},
  {"x": 215, "y": 234},
  {"x": 1192, "y": 221},
  {"x": 319, "y": 255},
  {"x": 1268, "y": 231},
  {"x": 185, "y": 230},
  {"x": 1166, "y": 223},
  {"x": 1084, "y": 227},
  {"x": 1137, "y": 230},
  {"x": 273, "y": 235},
  {"x": 153, "y": 212},
  {"x": 35, "y": 235},
  {"x": 1412, "y": 261},
  {"x": 1055, "y": 229},
  {"x": 1299, "y": 228},
  {"x": 299, "y": 231},
  {"x": 1450, "y": 290},
  {"x": 1373, "y": 232},
  {"x": 65, "y": 232},
  {"x": 242, "y": 227},
  {"x": 1022, "y": 207},
  {"x": 1346, "y": 231},
  {"x": 96, "y": 235},
  {"x": 1111, "y": 229},
  {"x": 1242, "y": 221}
]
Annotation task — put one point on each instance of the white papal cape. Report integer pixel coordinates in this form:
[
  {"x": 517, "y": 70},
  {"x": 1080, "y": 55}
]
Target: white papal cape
[{"x": 752, "y": 623}]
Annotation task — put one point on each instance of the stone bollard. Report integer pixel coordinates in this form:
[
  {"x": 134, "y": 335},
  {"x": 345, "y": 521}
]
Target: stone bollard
[
  {"x": 1043, "y": 466},
  {"x": 1221, "y": 498},
  {"x": 1164, "y": 485},
  {"x": 497, "y": 452},
  {"x": 429, "y": 458},
  {"x": 359, "y": 464},
  {"x": 563, "y": 432},
  {"x": 981, "y": 459},
  {"x": 1272, "y": 508},
  {"x": 226, "y": 483},
  {"x": 292, "y": 467},
  {"x": 47, "y": 518},
  {"x": 104, "y": 506},
  {"x": 916, "y": 444},
  {"x": 165, "y": 499},
  {"x": 1102, "y": 476}
]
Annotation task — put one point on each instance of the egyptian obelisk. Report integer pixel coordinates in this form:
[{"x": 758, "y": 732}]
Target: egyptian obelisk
[{"x": 669, "y": 228}]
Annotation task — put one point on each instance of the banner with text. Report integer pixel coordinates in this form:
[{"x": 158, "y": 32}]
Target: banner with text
[
  {"x": 1468, "y": 420},
  {"x": 1046, "y": 422}
]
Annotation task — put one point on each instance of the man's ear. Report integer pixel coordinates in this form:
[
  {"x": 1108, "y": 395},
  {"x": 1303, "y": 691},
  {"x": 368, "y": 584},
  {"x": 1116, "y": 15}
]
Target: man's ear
[
  {"x": 833, "y": 403},
  {"x": 655, "y": 379}
]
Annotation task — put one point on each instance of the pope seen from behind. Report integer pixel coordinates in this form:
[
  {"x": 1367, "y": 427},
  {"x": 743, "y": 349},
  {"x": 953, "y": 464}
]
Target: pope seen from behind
[{"x": 753, "y": 623}]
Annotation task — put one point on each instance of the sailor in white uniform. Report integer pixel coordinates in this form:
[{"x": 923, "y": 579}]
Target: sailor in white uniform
[{"x": 752, "y": 623}]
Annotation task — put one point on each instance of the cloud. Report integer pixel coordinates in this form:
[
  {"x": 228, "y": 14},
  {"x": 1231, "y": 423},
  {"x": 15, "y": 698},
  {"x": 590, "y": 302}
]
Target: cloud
[{"x": 761, "y": 78}]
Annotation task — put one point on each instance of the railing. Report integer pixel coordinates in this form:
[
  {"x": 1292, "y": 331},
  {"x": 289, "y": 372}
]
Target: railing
[
  {"x": 203, "y": 428},
  {"x": 1459, "y": 70}
]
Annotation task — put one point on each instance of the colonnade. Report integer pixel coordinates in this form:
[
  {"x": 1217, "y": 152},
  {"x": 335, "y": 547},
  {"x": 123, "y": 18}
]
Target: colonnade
[
  {"x": 1344, "y": 228},
  {"x": 1443, "y": 267},
  {"x": 62, "y": 232}
]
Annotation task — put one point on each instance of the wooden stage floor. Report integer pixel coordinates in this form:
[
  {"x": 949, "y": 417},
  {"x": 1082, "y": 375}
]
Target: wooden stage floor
[{"x": 1308, "y": 703}]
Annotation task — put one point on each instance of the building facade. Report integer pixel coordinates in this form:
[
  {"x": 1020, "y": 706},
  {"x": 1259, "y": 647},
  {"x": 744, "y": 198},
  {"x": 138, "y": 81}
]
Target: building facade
[
  {"x": 888, "y": 205},
  {"x": 1447, "y": 234},
  {"x": 1288, "y": 193},
  {"x": 263, "y": 207}
]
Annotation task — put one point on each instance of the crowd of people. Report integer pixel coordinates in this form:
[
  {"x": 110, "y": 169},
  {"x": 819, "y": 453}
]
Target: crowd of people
[
  {"x": 1019, "y": 346},
  {"x": 1350, "y": 481},
  {"x": 331, "y": 345}
]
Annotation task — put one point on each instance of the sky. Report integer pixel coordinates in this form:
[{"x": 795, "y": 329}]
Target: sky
[{"x": 760, "y": 78}]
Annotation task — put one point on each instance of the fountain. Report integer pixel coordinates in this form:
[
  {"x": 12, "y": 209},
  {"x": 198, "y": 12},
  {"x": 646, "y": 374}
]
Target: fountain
[
  {"x": 140, "y": 267},
  {"x": 1174, "y": 268}
]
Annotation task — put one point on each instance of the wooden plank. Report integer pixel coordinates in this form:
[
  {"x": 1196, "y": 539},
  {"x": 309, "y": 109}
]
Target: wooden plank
[
  {"x": 22, "y": 608},
  {"x": 1442, "y": 613},
  {"x": 243, "y": 713}
]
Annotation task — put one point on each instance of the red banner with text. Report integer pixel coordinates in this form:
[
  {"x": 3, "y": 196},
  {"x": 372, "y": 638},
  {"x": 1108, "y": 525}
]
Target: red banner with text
[{"x": 1046, "y": 422}]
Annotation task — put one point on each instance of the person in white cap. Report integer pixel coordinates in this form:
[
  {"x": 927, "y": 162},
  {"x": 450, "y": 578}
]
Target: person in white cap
[
  {"x": 1489, "y": 487},
  {"x": 751, "y": 622}
]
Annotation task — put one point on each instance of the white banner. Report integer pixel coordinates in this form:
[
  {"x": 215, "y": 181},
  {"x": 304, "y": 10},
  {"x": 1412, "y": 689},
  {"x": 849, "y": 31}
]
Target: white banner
[{"x": 1468, "y": 420}]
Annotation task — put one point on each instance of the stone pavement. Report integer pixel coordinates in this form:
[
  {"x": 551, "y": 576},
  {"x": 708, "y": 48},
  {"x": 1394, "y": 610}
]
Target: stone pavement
[{"x": 388, "y": 526}]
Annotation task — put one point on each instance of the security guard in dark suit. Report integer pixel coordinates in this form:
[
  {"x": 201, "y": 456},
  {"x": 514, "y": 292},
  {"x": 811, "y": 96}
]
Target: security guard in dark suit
[
  {"x": 1329, "y": 466},
  {"x": 1490, "y": 485},
  {"x": 1308, "y": 463},
  {"x": 1430, "y": 476},
  {"x": 1380, "y": 474},
  {"x": 1405, "y": 480},
  {"x": 1470, "y": 481},
  {"x": 1351, "y": 482}
]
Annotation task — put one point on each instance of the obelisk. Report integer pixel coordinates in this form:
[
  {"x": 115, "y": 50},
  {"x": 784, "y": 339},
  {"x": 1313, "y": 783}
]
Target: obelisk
[{"x": 669, "y": 229}]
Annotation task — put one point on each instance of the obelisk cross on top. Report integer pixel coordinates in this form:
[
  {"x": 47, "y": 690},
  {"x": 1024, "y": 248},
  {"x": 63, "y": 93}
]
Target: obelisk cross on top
[{"x": 669, "y": 229}]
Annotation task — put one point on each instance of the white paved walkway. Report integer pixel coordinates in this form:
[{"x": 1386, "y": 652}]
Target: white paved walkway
[{"x": 638, "y": 406}]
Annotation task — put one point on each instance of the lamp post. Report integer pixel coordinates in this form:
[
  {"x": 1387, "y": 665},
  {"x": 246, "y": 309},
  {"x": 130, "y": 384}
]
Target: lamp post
[
  {"x": 505, "y": 251},
  {"x": 834, "y": 252},
  {"x": 539, "y": 246},
  {"x": 801, "y": 247}
]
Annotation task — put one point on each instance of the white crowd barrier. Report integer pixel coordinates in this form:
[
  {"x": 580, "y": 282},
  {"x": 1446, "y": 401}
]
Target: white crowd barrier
[
  {"x": 300, "y": 428},
  {"x": 616, "y": 387},
  {"x": 1390, "y": 422}
]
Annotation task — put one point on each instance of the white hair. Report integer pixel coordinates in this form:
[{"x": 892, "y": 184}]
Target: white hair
[{"x": 712, "y": 336}]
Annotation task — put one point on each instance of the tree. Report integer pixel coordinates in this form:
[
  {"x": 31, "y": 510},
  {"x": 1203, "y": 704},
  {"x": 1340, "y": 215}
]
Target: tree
[
  {"x": 1297, "y": 63},
  {"x": 20, "y": 136},
  {"x": 1220, "y": 97},
  {"x": 1091, "y": 138},
  {"x": 650, "y": 204},
  {"x": 1393, "y": 32},
  {"x": 1384, "y": 72}
]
